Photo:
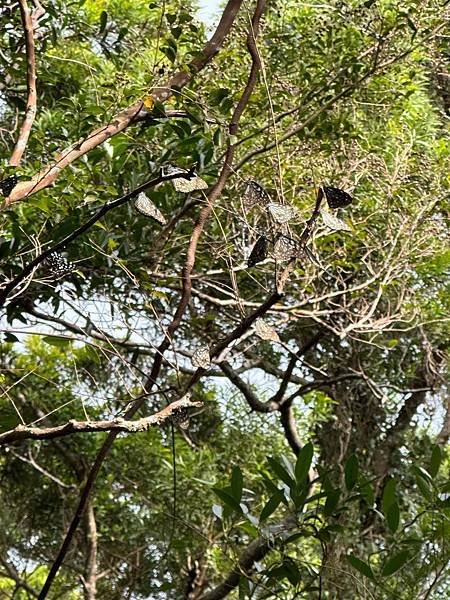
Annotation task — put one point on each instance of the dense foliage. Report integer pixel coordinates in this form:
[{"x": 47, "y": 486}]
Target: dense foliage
[{"x": 316, "y": 466}]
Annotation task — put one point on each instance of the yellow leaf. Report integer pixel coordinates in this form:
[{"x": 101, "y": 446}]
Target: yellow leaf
[{"x": 149, "y": 102}]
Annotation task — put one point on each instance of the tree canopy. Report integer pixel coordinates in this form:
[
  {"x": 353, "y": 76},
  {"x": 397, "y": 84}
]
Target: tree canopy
[{"x": 224, "y": 292}]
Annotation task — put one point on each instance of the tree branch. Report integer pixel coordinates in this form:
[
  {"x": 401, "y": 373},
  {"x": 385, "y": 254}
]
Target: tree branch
[
  {"x": 126, "y": 117},
  {"x": 255, "y": 551},
  {"x": 23, "y": 432},
  {"x": 103, "y": 210},
  {"x": 224, "y": 26},
  {"x": 29, "y": 23}
]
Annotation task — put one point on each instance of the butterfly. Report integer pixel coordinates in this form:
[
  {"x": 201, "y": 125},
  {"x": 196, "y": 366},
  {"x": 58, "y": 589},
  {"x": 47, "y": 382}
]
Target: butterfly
[
  {"x": 182, "y": 184},
  {"x": 58, "y": 266},
  {"x": 201, "y": 358},
  {"x": 7, "y": 185},
  {"x": 285, "y": 248},
  {"x": 333, "y": 222},
  {"x": 254, "y": 194},
  {"x": 282, "y": 213},
  {"x": 265, "y": 332},
  {"x": 259, "y": 251},
  {"x": 336, "y": 197},
  {"x": 181, "y": 415},
  {"x": 146, "y": 207}
]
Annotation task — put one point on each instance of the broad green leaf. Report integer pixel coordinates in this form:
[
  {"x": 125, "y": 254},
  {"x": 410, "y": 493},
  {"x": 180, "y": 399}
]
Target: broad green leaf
[
  {"x": 271, "y": 506},
  {"x": 58, "y": 342},
  {"x": 361, "y": 566},
  {"x": 331, "y": 501},
  {"x": 435, "y": 461},
  {"x": 351, "y": 470},
  {"x": 280, "y": 471},
  {"x": 228, "y": 499},
  {"x": 237, "y": 483},
  {"x": 393, "y": 517},
  {"x": 303, "y": 463},
  {"x": 389, "y": 496},
  {"x": 395, "y": 563}
]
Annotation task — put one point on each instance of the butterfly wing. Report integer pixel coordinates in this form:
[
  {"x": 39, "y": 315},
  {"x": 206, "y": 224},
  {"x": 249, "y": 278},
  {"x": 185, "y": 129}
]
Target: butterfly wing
[
  {"x": 58, "y": 266},
  {"x": 7, "y": 185},
  {"x": 333, "y": 222},
  {"x": 281, "y": 213},
  {"x": 259, "y": 251},
  {"x": 254, "y": 193},
  {"x": 337, "y": 198},
  {"x": 285, "y": 248},
  {"x": 146, "y": 207},
  {"x": 182, "y": 184},
  {"x": 265, "y": 332},
  {"x": 189, "y": 185},
  {"x": 201, "y": 358}
]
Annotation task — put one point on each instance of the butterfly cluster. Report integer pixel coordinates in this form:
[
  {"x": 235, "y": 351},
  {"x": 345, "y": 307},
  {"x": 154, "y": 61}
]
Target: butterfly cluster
[
  {"x": 188, "y": 184},
  {"x": 145, "y": 206},
  {"x": 7, "y": 185},
  {"x": 58, "y": 266},
  {"x": 286, "y": 248}
]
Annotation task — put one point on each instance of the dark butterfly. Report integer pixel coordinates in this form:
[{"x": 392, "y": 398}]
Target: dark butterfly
[
  {"x": 259, "y": 251},
  {"x": 58, "y": 266},
  {"x": 254, "y": 194},
  {"x": 336, "y": 197},
  {"x": 7, "y": 185}
]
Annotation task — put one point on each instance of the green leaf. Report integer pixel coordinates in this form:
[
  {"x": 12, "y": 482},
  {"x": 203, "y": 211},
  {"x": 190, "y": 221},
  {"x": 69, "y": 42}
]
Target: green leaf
[
  {"x": 367, "y": 492},
  {"x": 227, "y": 499},
  {"x": 435, "y": 461},
  {"x": 331, "y": 501},
  {"x": 424, "y": 488},
  {"x": 393, "y": 517},
  {"x": 271, "y": 506},
  {"x": 303, "y": 463},
  {"x": 58, "y": 342},
  {"x": 351, "y": 470},
  {"x": 280, "y": 471},
  {"x": 360, "y": 566},
  {"x": 421, "y": 472},
  {"x": 389, "y": 496},
  {"x": 237, "y": 483},
  {"x": 395, "y": 563},
  {"x": 10, "y": 337}
]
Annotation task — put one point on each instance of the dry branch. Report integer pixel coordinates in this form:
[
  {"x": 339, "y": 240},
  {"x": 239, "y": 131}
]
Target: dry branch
[
  {"x": 23, "y": 432},
  {"x": 29, "y": 22}
]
